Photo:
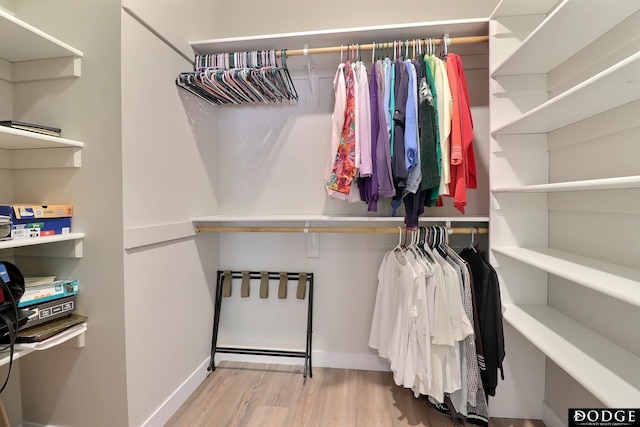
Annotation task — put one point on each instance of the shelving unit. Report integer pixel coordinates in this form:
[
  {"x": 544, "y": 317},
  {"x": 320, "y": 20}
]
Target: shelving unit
[
  {"x": 28, "y": 54},
  {"x": 537, "y": 231},
  {"x": 607, "y": 370}
]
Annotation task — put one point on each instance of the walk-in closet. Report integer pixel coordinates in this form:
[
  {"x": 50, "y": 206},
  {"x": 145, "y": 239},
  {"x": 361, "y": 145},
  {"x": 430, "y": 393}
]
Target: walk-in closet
[{"x": 203, "y": 221}]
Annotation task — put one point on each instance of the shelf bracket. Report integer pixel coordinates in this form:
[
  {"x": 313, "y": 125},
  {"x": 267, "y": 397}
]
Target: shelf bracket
[{"x": 313, "y": 242}]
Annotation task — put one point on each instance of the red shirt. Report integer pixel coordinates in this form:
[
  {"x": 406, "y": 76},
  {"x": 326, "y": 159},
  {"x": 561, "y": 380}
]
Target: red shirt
[{"x": 463, "y": 160}]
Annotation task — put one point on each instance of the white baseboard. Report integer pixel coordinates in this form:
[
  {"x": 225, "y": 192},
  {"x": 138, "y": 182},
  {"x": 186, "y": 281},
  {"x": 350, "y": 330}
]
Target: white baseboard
[
  {"x": 28, "y": 424},
  {"x": 550, "y": 418},
  {"x": 321, "y": 359},
  {"x": 169, "y": 407}
]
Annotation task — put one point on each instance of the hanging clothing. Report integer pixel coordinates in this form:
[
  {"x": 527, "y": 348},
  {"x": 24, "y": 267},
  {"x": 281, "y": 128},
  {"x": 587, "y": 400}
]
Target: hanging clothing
[
  {"x": 363, "y": 121},
  {"x": 344, "y": 165},
  {"x": 463, "y": 162},
  {"x": 383, "y": 148},
  {"x": 420, "y": 323},
  {"x": 398, "y": 158},
  {"x": 411, "y": 149},
  {"x": 434, "y": 192},
  {"x": 489, "y": 307},
  {"x": 368, "y": 185},
  {"x": 337, "y": 123},
  {"x": 445, "y": 107}
]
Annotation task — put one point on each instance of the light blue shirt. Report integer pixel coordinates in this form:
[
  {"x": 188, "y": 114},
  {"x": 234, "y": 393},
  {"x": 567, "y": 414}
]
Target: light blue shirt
[{"x": 411, "y": 151}]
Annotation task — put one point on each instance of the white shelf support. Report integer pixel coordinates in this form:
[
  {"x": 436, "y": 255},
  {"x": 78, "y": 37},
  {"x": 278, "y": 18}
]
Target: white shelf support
[
  {"x": 66, "y": 246},
  {"x": 46, "y": 69},
  {"x": 313, "y": 242},
  {"x": 49, "y": 158}
]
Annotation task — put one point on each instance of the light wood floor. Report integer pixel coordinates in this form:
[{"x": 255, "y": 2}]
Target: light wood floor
[{"x": 266, "y": 395}]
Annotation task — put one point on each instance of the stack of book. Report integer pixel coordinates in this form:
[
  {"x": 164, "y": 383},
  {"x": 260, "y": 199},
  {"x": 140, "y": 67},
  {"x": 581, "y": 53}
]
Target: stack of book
[
  {"x": 41, "y": 129},
  {"x": 53, "y": 303}
]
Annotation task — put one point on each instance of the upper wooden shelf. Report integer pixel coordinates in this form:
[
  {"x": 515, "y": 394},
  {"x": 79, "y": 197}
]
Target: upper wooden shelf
[
  {"x": 337, "y": 37},
  {"x": 21, "y": 42},
  {"x": 610, "y": 372},
  {"x": 564, "y": 33},
  {"x": 611, "y": 88}
]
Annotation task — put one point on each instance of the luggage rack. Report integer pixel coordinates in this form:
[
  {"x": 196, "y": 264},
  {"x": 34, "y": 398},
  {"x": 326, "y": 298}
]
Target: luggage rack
[{"x": 224, "y": 283}]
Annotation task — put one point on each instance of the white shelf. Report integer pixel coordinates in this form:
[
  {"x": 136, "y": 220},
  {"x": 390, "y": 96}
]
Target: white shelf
[
  {"x": 21, "y": 350},
  {"x": 16, "y": 139},
  {"x": 34, "y": 241},
  {"x": 522, "y": 7},
  {"x": 337, "y": 37},
  {"x": 543, "y": 50},
  {"x": 60, "y": 338},
  {"x": 616, "y": 281},
  {"x": 21, "y": 42},
  {"x": 610, "y": 372},
  {"x": 613, "y": 87},
  {"x": 325, "y": 218},
  {"x": 590, "y": 184}
]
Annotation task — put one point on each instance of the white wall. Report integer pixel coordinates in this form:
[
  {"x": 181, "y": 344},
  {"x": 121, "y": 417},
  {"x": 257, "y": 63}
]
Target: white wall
[
  {"x": 178, "y": 22},
  {"x": 169, "y": 157},
  {"x": 68, "y": 386}
]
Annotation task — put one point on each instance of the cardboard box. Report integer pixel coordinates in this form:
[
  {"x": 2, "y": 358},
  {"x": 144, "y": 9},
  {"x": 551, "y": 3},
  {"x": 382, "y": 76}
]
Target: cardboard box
[
  {"x": 42, "y": 293},
  {"x": 37, "y": 220}
]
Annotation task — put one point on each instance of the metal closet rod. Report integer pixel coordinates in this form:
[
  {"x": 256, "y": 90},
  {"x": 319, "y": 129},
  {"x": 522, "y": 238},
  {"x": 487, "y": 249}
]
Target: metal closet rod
[
  {"x": 355, "y": 230},
  {"x": 369, "y": 46}
]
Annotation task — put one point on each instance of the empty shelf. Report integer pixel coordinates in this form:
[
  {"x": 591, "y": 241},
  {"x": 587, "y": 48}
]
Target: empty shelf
[
  {"x": 613, "y": 87},
  {"x": 590, "y": 184},
  {"x": 610, "y": 279},
  {"x": 608, "y": 371},
  {"x": 544, "y": 50},
  {"x": 33, "y": 43}
]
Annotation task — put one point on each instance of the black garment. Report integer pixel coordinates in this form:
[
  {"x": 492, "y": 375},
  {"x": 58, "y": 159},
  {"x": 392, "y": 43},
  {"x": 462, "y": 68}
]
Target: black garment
[
  {"x": 489, "y": 308},
  {"x": 398, "y": 164}
]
